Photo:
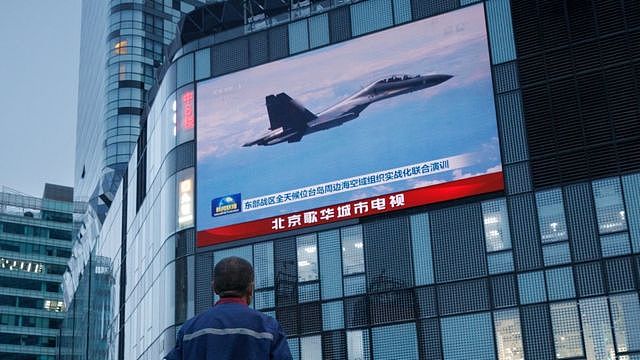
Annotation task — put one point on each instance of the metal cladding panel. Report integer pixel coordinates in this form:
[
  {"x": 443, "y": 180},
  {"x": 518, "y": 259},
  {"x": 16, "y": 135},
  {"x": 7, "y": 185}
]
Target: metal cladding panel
[
  {"x": 581, "y": 222},
  {"x": 388, "y": 254},
  {"x": 506, "y": 77},
  {"x": 231, "y": 56},
  {"x": 504, "y": 291},
  {"x": 427, "y": 302},
  {"x": 503, "y": 47},
  {"x": 339, "y": 24},
  {"x": 258, "y": 48},
  {"x": 524, "y": 232},
  {"x": 286, "y": 271},
  {"x": 319, "y": 30},
  {"x": 204, "y": 295},
  {"x": 278, "y": 42},
  {"x": 422, "y": 9},
  {"x": 185, "y": 155},
  {"x": 298, "y": 36},
  {"x": 429, "y": 339},
  {"x": 589, "y": 279},
  {"x": 620, "y": 274},
  {"x": 369, "y": 16},
  {"x": 391, "y": 307},
  {"x": 463, "y": 297},
  {"x": 517, "y": 178},
  {"x": 334, "y": 345},
  {"x": 459, "y": 251},
  {"x": 537, "y": 334},
  {"x": 511, "y": 127}
]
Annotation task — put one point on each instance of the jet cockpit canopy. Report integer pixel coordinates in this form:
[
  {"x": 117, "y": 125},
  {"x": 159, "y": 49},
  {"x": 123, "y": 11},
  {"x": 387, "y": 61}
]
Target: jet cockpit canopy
[{"x": 395, "y": 78}]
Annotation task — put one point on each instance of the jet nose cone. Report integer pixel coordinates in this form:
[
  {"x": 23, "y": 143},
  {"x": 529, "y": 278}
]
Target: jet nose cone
[{"x": 440, "y": 78}]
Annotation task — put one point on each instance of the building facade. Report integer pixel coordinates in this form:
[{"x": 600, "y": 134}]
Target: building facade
[
  {"x": 35, "y": 246},
  {"x": 546, "y": 268}
]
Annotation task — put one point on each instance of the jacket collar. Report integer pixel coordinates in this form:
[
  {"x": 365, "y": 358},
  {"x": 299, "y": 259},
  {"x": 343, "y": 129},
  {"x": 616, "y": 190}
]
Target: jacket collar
[{"x": 232, "y": 300}]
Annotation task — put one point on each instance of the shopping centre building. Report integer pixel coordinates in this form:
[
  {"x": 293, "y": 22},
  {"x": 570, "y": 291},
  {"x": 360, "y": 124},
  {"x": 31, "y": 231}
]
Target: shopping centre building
[{"x": 410, "y": 179}]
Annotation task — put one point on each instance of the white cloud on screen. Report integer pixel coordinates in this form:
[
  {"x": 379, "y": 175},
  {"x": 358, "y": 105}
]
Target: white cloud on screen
[{"x": 319, "y": 79}]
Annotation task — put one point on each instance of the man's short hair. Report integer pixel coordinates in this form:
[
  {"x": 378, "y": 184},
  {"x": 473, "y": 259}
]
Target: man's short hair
[{"x": 232, "y": 276}]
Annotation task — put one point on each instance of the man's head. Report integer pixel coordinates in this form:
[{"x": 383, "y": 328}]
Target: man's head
[{"x": 233, "y": 277}]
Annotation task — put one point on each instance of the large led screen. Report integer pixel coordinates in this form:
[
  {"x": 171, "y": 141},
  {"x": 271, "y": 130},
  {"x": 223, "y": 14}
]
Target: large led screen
[{"x": 395, "y": 119}]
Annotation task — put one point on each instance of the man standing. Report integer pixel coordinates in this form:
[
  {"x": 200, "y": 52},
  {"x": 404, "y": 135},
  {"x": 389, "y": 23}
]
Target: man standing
[{"x": 230, "y": 330}]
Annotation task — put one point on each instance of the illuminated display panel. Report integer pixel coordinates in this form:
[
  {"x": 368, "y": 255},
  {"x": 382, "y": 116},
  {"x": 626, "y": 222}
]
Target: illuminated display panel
[{"x": 395, "y": 119}]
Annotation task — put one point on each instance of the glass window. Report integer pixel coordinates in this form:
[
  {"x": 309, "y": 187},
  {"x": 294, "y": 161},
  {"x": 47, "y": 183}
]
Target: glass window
[
  {"x": 531, "y": 287},
  {"x": 615, "y": 244},
  {"x": 294, "y": 346},
  {"x": 631, "y": 186},
  {"x": 308, "y": 292},
  {"x": 607, "y": 195},
  {"x": 329, "y": 250},
  {"x": 395, "y": 342},
  {"x": 508, "y": 334},
  {"x": 184, "y": 73},
  {"x": 556, "y": 254},
  {"x": 203, "y": 64},
  {"x": 553, "y": 226},
  {"x": 354, "y": 285},
  {"x": 566, "y": 329},
  {"x": 264, "y": 299},
  {"x": 501, "y": 262},
  {"x": 560, "y": 284},
  {"x": 422, "y": 254},
  {"x": 596, "y": 327},
  {"x": 625, "y": 313},
  {"x": 263, "y": 264},
  {"x": 468, "y": 337},
  {"x": 496, "y": 225},
  {"x": 358, "y": 345},
  {"x": 352, "y": 250},
  {"x": 311, "y": 348},
  {"x": 307, "y": 258},
  {"x": 332, "y": 316}
]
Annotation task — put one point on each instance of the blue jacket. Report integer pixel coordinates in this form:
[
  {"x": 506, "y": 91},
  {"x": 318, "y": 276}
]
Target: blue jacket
[{"x": 231, "y": 331}]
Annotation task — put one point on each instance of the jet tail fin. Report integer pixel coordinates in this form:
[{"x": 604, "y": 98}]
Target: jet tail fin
[{"x": 287, "y": 113}]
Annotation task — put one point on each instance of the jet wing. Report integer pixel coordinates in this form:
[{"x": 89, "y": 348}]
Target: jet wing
[{"x": 287, "y": 113}]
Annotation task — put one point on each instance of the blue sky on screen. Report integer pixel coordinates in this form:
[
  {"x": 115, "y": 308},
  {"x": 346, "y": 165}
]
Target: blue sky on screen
[{"x": 453, "y": 118}]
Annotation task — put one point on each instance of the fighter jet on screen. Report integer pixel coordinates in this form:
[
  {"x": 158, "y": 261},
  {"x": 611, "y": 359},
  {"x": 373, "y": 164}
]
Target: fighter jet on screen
[{"x": 290, "y": 121}]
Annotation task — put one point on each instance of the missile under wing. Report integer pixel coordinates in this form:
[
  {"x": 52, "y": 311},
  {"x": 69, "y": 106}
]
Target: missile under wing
[{"x": 290, "y": 121}]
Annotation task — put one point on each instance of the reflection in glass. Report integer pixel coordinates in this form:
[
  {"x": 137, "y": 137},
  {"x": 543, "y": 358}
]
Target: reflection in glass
[
  {"x": 358, "y": 345},
  {"x": 395, "y": 342},
  {"x": 553, "y": 226},
  {"x": 263, "y": 264},
  {"x": 607, "y": 195},
  {"x": 508, "y": 335},
  {"x": 625, "y": 313},
  {"x": 566, "y": 329},
  {"x": 468, "y": 337},
  {"x": 560, "y": 283},
  {"x": 352, "y": 250},
  {"x": 496, "y": 225},
  {"x": 532, "y": 289},
  {"x": 311, "y": 348},
  {"x": 615, "y": 244},
  {"x": 307, "y": 258},
  {"x": 596, "y": 326},
  {"x": 501, "y": 262}
]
